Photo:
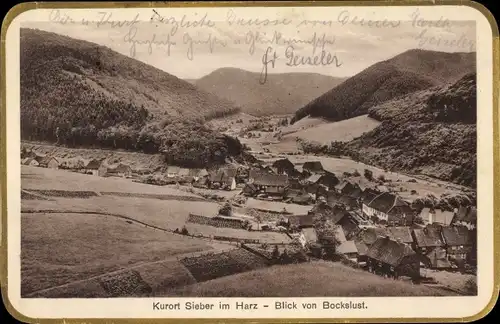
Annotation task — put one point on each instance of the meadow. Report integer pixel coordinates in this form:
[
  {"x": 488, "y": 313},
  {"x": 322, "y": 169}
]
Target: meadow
[
  {"x": 57, "y": 249},
  {"x": 315, "y": 279}
]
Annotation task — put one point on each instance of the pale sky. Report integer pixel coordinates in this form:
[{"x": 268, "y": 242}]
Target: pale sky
[{"x": 355, "y": 46}]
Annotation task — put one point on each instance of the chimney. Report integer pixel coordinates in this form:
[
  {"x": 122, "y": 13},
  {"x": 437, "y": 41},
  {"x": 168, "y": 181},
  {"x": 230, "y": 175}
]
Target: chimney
[{"x": 431, "y": 217}]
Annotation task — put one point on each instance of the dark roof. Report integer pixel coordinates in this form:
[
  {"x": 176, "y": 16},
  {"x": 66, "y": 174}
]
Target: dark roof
[
  {"x": 330, "y": 231},
  {"x": 430, "y": 236},
  {"x": 401, "y": 233},
  {"x": 313, "y": 166},
  {"x": 386, "y": 201},
  {"x": 46, "y": 159},
  {"x": 369, "y": 235},
  {"x": 466, "y": 214},
  {"x": 369, "y": 194},
  {"x": 349, "y": 189},
  {"x": 456, "y": 235},
  {"x": 301, "y": 220},
  {"x": 283, "y": 163},
  {"x": 221, "y": 176},
  {"x": 267, "y": 179},
  {"x": 389, "y": 251},
  {"x": 93, "y": 164},
  {"x": 437, "y": 258},
  {"x": 333, "y": 213},
  {"x": 249, "y": 187}
]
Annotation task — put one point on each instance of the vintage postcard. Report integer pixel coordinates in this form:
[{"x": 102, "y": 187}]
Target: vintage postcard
[{"x": 258, "y": 161}]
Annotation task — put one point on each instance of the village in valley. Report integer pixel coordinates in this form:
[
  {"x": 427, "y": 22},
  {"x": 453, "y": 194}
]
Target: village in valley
[
  {"x": 275, "y": 211},
  {"x": 156, "y": 176}
]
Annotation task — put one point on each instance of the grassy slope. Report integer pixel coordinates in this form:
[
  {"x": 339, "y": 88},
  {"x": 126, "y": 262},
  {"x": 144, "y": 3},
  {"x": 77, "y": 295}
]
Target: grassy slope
[
  {"x": 316, "y": 279},
  {"x": 48, "y": 55},
  {"x": 281, "y": 94},
  {"x": 345, "y": 130},
  {"x": 406, "y": 73},
  {"x": 60, "y": 248}
]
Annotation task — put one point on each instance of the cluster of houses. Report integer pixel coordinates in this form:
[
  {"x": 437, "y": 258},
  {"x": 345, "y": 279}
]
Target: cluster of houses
[
  {"x": 447, "y": 241},
  {"x": 97, "y": 167}
]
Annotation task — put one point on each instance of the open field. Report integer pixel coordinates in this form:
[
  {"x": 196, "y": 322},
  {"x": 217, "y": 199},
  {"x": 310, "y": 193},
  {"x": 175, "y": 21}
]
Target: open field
[
  {"x": 49, "y": 179},
  {"x": 61, "y": 248},
  {"x": 164, "y": 214},
  {"x": 465, "y": 283},
  {"x": 315, "y": 279},
  {"x": 344, "y": 131},
  {"x": 303, "y": 124}
]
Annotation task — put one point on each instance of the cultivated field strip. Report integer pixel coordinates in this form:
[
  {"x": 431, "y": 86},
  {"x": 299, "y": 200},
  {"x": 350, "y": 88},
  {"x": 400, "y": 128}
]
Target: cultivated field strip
[
  {"x": 204, "y": 220},
  {"x": 88, "y": 194},
  {"x": 215, "y": 265},
  {"x": 123, "y": 278}
]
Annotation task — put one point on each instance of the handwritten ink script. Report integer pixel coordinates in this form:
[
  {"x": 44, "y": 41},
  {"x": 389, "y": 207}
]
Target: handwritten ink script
[
  {"x": 293, "y": 59},
  {"x": 285, "y": 42}
]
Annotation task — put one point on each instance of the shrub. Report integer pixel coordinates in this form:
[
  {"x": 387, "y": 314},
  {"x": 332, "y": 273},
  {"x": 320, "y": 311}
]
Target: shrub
[
  {"x": 368, "y": 174},
  {"x": 356, "y": 173},
  {"x": 381, "y": 177}
]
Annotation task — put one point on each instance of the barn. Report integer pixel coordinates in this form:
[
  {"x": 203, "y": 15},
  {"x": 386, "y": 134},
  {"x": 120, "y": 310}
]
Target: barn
[{"x": 392, "y": 259}]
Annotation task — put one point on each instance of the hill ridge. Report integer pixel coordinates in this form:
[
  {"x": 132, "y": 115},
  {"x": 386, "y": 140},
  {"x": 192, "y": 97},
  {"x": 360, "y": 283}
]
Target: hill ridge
[
  {"x": 283, "y": 93},
  {"x": 405, "y": 73}
]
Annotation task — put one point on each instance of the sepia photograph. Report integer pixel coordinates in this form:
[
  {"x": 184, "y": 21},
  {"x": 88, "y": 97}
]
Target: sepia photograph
[{"x": 217, "y": 152}]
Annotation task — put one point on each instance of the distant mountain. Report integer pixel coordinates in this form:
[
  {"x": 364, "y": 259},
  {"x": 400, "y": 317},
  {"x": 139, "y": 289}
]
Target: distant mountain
[
  {"x": 282, "y": 93},
  {"x": 431, "y": 132},
  {"x": 79, "y": 93},
  {"x": 408, "y": 72}
]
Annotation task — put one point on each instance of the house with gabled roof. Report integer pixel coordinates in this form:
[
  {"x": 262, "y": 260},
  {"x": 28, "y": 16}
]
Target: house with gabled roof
[
  {"x": 457, "y": 240},
  {"x": 429, "y": 243},
  {"x": 394, "y": 259},
  {"x": 298, "y": 196},
  {"x": 368, "y": 195},
  {"x": 29, "y": 161},
  {"x": 390, "y": 209},
  {"x": 270, "y": 183},
  {"x": 284, "y": 166},
  {"x": 172, "y": 171},
  {"x": 362, "y": 249},
  {"x": 349, "y": 249},
  {"x": 313, "y": 167},
  {"x": 92, "y": 166},
  {"x": 437, "y": 216},
  {"x": 301, "y": 221},
  {"x": 466, "y": 216},
  {"x": 338, "y": 215},
  {"x": 221, "y": 179},
  {"x": 49, "y": 162}
]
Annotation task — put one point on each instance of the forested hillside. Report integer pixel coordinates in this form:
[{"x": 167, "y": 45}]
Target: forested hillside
[
  {"x": 80, "y": 94},
  {"x": 430, "y": 132},
  {"x": 411, "y": 71}
]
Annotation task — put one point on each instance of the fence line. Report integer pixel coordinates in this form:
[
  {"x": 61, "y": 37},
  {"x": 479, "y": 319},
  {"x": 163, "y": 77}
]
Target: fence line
[{"x": 201, "y": 236}]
